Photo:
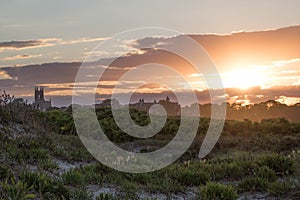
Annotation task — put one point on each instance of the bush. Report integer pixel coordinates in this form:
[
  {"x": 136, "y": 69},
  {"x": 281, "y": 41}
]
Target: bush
[
  {"x": 218, "y": 191},
  {"x": 81, "y": 194},
  {"x": 27, "y": 155},
  {"x": 104, "y": 196},
  {"x": 44, "y": 185},
  {"x": 282, "y": 165},
  {"x": 40, "y": 182},
  {"x": 230, "y": 170},
  {"x": 91, "y": 174},
  {"x": 5, "y": 173},
  {"x": 74, "y": 178},
  {"x": 130, "y": 189},
  {"x": 279, "y": 188},
  {"x": 191, "y": 177},
  {"x": 253, "y": 184},
  {"x": 16, "y": 190},
  {"x": 266, "y": 173}
]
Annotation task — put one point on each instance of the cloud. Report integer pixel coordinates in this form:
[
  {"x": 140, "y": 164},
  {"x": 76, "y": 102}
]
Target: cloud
[
  {"x": 275, "y": 52},
  {"x": 4, "y": 75},
  {"x": 242, "y": 49},
  {"x": 288, "y": 100},
  {"x": 26, "y": 44},
  {"x": 150, "y": 42},
  {"x": 20, "y": 44},
  {"x": 83, "y": 40},
  {"x": 23, "y": 56}
]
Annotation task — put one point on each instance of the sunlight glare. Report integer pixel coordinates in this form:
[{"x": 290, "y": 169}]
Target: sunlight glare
[{"x": 243, "y": 79}]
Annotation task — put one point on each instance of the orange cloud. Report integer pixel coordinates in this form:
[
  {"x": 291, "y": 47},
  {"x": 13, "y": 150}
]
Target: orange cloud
[{"x": 23, "y": 56}]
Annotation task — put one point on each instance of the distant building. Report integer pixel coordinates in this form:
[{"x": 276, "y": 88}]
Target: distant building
[
  {"x": 39, "y": 99},
  {"x": 172, "y": 108}
]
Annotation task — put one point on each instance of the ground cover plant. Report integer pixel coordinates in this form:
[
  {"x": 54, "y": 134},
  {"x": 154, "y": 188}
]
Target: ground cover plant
[{"x": 43, "y": 158}]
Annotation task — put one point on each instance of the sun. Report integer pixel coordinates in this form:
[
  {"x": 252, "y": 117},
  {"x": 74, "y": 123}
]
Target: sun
[{"x": 243, "y": 79}]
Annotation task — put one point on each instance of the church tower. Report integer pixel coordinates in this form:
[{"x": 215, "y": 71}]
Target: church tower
[
  {"x": 39, "y": 99},
  {"x": 39, "y": 94}
]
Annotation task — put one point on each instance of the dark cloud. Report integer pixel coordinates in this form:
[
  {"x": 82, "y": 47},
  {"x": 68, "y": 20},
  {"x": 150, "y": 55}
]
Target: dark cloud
[
  {"x": 21, "y": 44},
  {"x": 149, "y": 42},
  {"x": 32, "y": 75}
]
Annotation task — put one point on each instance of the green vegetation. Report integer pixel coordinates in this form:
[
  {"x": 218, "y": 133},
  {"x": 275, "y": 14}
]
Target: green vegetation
[
  {"x": 249, "y": 157},
  {"x": 218, "y": 191},
  {"x": 16, "y": 190}
]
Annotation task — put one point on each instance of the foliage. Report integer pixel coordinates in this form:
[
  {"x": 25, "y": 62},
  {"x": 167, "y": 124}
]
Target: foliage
[
  {"x": 61, "y": 122},
  {"x": 16, "y": 190},
  {"x": 217, "y": 191},
  {"x": 104, "y": 196},
  {"x": 253, "y": 184},
  {"x": 44, "y": 185},
  {"x": 259, "y": 152},
  {"x": 266, "y": 173},
  {"x": 190, "y": 176},
  {"x": 81, "y": 194},
  {"x": 282, "y": 165},
  {"x": 5, "y": 173},
  {"x": 74, "y": 178},
  {"x": 279, "y": 188}
]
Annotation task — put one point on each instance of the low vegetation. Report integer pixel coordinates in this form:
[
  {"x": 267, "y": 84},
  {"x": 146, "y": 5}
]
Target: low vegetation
[{"x": 249, "y": 157}]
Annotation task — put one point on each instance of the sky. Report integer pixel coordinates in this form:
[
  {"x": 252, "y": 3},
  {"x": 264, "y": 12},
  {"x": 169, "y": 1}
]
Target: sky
[{"x": 62, "y": 33}]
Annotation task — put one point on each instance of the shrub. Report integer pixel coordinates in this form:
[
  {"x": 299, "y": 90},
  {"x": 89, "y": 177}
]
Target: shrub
[
  {"x": 28, "y": 155},
  {"x": 233, "y": 170},
  {"x": 266, "y": 173},
  {"x": 57, "y": 191},
  {"x": 45, "y": 186},
  {"x": 91, "y": 174},
  {"x": 81, "y": 194},
  {"x": 16, "y": 190},
  {"x": 74, "y": 178},
  {"x": 130, "y": 189},
  {"x": 191, "y": 177},
  {"x": 104, "y": 196},
  {"x": 253, "y": 184},
  {"x": 282, "y": 165},
  {"x": 279, "y": 188},
  {"x": 47, "y": 165},
  {"x": 217, "y": 191},
  {"x": 5, "y": 172},
  {"x": 39, "y": 182}
]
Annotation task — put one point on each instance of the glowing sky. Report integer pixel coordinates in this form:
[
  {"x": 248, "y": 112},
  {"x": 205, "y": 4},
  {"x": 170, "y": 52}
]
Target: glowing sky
[{"x": 63, "y": 32}]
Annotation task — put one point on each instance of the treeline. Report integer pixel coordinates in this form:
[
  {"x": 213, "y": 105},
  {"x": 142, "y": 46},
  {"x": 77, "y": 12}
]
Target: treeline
[
  {"x": 62, "y": 122},
  {"x": 257, "y": 112}
]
